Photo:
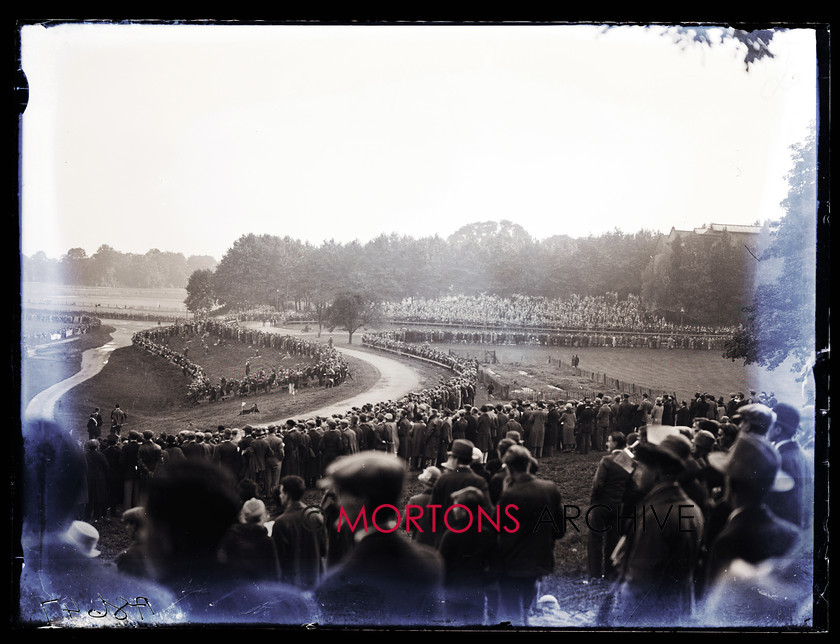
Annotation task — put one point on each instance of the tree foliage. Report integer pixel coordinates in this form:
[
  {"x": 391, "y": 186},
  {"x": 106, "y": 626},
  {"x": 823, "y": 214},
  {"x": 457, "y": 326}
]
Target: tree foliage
[
  {"x": 753, "y": 45},
  {"x": 781, "y": 322},
  {"x": 110, "y": 267},
  {"x": 351, "y": 311},
  {"x": 200, "y": 293}
]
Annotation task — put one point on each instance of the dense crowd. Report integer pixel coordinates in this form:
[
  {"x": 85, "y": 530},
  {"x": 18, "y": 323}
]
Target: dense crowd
[
  {"x": 325, "y": 366},
  {"x": 389, "y": 341},
  {"x": 568, "y": 339},
  {"x": 56, "y": 326},
  {"x": 700, "y": 510},
  {"x": 603, "y": 313}
]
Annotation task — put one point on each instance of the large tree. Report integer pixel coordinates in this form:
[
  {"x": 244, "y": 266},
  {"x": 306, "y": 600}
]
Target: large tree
[
  {"x": 351, "y": 311},
  {"x": 200, "y": 296},
  {"x": 256, "y": 268}
]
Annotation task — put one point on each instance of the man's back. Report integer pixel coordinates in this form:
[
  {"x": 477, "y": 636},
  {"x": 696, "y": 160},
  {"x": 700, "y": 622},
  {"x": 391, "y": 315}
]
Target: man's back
[{"x": 386, "y": 579}]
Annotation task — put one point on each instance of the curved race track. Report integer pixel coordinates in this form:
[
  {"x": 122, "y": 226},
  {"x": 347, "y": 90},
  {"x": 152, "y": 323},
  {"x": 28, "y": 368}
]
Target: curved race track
[{"x": 395, "y": 379}]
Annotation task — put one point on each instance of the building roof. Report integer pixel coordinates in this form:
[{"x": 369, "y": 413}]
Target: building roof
[{"x": 718, "y": 229}]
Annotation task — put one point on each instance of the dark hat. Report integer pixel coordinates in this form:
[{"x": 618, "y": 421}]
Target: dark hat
[
  {"x": 469, "y": 496},
  {"x": 462, "y": 449},
  {"x": 673, "y": 450},
  {"x": 704, "y": 438},
  {"x": 753, "y": 459},
  {"x": 760, "y": 417},
  {"x": 518, "y": 457},
  {"x": 514, "y": 436},
  {"x": 372, "y": 475},
  {"x": 709, "y": 425},
  {"x": 787, "y": 416}
]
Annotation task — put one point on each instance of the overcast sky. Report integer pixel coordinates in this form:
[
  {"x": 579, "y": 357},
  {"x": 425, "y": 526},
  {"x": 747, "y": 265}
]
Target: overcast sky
[{"x": 185, "y": 137}]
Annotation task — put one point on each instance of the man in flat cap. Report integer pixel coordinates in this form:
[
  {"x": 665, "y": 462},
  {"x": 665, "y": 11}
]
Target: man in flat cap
[
  {"x": 385, "y": 578},
  {"x": 658, "y": 555},
  {"x": 754, "y": 418}
]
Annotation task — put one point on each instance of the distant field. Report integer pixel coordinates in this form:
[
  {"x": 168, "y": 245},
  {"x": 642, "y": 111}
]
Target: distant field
[
  {"x": 61, "y": 296},
  {"x": 679, "y": 371}
]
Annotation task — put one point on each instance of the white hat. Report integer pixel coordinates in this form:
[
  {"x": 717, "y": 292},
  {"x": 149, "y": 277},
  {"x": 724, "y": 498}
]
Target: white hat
[{"x": 84, "y": 537}]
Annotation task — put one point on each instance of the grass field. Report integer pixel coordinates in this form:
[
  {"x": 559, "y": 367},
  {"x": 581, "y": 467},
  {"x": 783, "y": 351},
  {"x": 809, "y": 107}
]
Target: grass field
[
  {"x": 64, "y": 297},
  {"x": 680, "y": 371}
]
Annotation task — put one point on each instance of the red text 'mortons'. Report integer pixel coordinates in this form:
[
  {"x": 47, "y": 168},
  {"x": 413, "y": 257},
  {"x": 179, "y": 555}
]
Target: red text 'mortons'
[{"x": 480, "y": 521}]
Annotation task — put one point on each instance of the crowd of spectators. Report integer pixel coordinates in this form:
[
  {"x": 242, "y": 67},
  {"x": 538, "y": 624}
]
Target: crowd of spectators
[
  {"x": 325, "y": 366},
  {"x": 390, "y": 342},
  {"x": 56, "y": 326},
  {"x": 570, "y": 339},
  {"x": 207, "y": 550},
  {"x": 604, "y": 313},
  {"x": 741, "y": 483}
]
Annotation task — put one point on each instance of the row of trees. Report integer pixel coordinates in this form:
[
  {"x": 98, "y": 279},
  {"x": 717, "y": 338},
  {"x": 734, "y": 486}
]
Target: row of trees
[
  {"x": 110, "y": 267},
  {"x": 675, "y": 280}
]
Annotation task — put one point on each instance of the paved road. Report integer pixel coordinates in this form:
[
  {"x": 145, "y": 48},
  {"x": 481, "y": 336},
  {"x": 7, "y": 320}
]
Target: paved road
[{"x": 395, "y": 379}]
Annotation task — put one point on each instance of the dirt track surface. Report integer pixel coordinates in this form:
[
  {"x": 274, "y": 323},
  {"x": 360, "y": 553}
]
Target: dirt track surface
[{"x": 43, "y": 404}]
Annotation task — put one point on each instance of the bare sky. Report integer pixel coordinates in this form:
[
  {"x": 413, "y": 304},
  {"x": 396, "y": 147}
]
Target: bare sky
[{"x": 185, "y": 137}]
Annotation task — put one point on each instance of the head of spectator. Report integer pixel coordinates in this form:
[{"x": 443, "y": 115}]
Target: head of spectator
[
  {"x": 706, "y": 424},
  {"x": 429, "y": 476},
  {"x": 787, "y": 422},
  {"x": 291, "y": 490},
  {"x": 518, "y": 460},
  {"x": 703, "y": 442},
  {"x": 755, "y": 418},
  {"x": 368, "y": 479},
  {"x": 616, "y": 440},
  {"x": 247, "y": 488},
  {"x": 253, "y": 511},
  {"x": 461, "y": 454},
  {"x": 466, "y": 503},
  {"x": 504, "y": 445},
  {"x": 190, "y": 508},
  {"x": 136, "y": 522},
  {"x": 660, "y": 462},
  {"x": 727, "y": 433},
  {"x": 752, "y": 468}
]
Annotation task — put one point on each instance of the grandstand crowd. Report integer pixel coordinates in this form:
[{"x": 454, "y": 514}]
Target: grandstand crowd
[
  {"x": 700, "y": 510},
  {"x": 602, "y": 313},
  {"x": 571, "y": 339}
]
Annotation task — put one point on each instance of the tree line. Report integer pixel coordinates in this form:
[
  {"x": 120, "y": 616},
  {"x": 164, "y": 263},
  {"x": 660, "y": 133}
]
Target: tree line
[
  {"x": 694, "y": 279},
  {"x": 110, "y": 267}
]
